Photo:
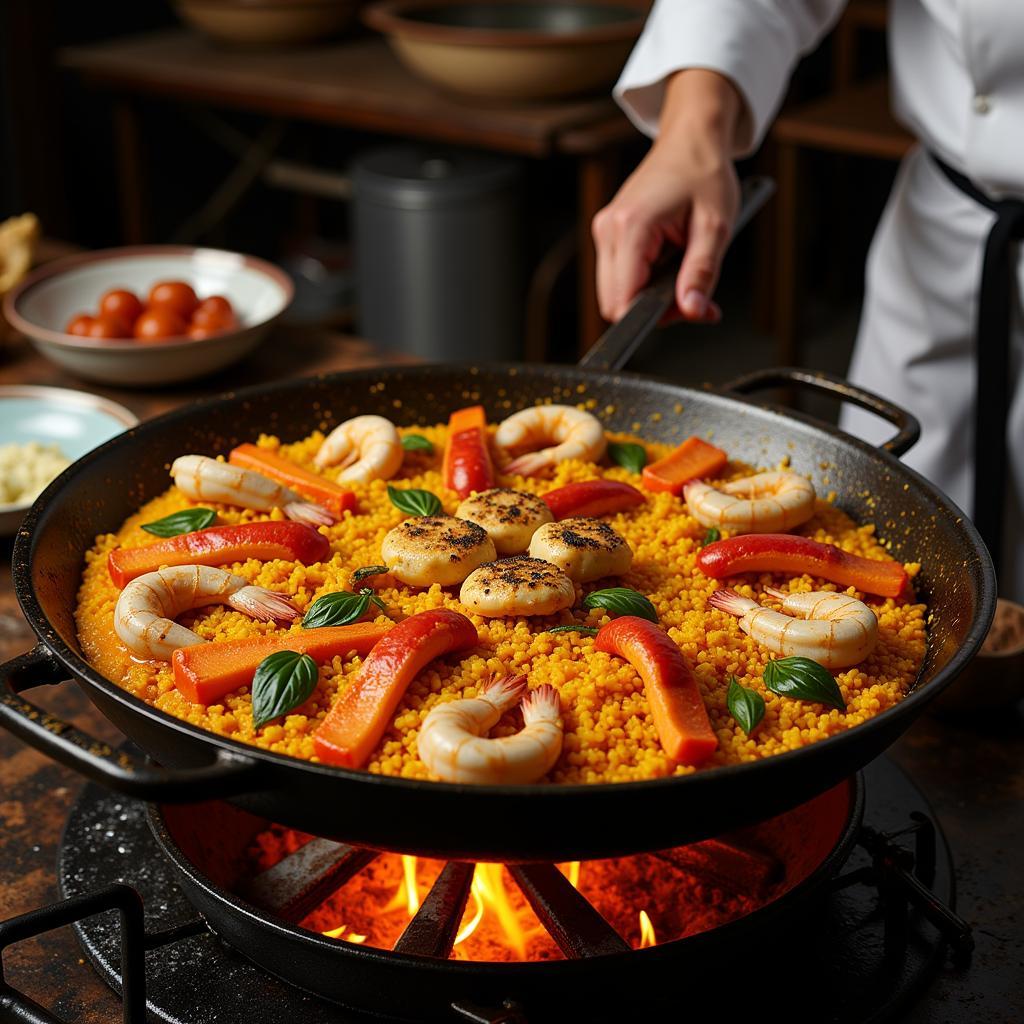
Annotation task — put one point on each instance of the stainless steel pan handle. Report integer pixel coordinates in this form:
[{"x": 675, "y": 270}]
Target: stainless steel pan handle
[
  {"x": 229, "y": 774},
  {"x": 908, "y": 429},
  {"x": 615, "y": 347}
]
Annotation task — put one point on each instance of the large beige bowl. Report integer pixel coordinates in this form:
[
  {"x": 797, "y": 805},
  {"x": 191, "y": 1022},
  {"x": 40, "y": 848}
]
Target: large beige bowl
[
  {"x": 267, "y": 22},
  {"x": 512, "y": 50},
  {"x": 47, "y": 299}
]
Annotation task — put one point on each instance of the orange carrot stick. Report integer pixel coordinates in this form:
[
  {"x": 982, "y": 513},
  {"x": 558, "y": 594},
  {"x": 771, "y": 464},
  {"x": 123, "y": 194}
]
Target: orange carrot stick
[
  {"x": 221, "y": 545},
  {"x": 206, "y": 672},
  {"x": 785, "y": 552},
  {"x": 694, "y": 459},
  {"x": 673, "y": 695},
  {"x": 356, "y": 722},
  {"x": 310, "y": 485},
  {"x": 467, "y": 462}
]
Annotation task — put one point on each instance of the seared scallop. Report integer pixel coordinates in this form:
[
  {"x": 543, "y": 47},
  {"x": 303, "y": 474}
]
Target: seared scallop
[
  {"x": 517, "y": 586},
  {"x": 425, "y": 550},
  {"x": 510, "y": 517},
  {"x": 585, "y": 549}
]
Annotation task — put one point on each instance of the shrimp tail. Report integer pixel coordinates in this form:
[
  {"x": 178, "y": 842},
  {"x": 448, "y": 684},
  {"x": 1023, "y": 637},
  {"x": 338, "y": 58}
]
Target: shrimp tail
[
  {"x": 308, "y": 513},
  {"x": 728, "y": 600},
  {"x": 780, "y": 594},
  {"x": 529, "y": 464},
  {"x": 264, "y": 605},
  {"x": 503, "y": 691},
  {"x": 541, "y": 705}
]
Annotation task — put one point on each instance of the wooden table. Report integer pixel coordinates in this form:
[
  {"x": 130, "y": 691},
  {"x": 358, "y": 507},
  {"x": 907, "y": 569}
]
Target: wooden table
[{"x": 354, "y": 84}]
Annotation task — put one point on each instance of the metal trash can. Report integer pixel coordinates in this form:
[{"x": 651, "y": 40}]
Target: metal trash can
[{"x": 439, "y": 253}]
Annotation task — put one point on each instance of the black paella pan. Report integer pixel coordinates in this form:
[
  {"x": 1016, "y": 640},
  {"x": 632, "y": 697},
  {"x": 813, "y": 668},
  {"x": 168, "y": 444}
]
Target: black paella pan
[{"x": 538, "y": 822}]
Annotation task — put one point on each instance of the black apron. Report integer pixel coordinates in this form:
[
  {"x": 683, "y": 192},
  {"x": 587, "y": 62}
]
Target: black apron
[{"x": 992, "y": 356}]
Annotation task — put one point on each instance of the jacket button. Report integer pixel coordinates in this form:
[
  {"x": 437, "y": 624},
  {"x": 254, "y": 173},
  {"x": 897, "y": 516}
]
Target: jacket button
[{"x": 982, "y": 104}]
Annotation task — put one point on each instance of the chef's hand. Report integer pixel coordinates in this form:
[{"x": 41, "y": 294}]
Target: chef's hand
[{"x": 683, "y": 194}]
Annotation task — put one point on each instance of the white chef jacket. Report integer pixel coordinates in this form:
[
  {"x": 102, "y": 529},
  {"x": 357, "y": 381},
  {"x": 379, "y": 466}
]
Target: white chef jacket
[{"x": 958, "y": 84}]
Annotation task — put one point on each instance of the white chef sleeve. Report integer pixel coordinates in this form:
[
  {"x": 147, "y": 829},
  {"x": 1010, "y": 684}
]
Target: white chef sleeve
[{"x": 755, "y": 43}]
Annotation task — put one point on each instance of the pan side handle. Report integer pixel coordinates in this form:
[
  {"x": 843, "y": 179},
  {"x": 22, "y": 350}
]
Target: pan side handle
[
  {"x": 228, "y": 775},
  {"x": 908, "y": 429}
]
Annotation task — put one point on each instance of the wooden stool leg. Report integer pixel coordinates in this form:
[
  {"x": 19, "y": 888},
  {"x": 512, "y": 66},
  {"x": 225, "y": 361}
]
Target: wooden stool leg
[
  {"x": 598, "y": 179},
  {"x": 786, "y": 256},
  {"x": 134, "y": 227}
]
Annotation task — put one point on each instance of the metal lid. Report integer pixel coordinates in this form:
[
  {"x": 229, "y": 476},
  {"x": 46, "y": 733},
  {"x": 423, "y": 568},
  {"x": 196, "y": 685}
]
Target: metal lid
[{"x": 424, "y": 177}]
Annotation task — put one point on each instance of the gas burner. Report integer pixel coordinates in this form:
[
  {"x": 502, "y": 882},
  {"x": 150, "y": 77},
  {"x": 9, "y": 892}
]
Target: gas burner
[{"x": 861, "y": 909}]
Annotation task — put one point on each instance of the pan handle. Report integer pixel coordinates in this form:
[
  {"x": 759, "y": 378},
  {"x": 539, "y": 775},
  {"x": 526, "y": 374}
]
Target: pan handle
[
  {"x": 908, "y": 429},
  {"x": 229, "y": 774}
]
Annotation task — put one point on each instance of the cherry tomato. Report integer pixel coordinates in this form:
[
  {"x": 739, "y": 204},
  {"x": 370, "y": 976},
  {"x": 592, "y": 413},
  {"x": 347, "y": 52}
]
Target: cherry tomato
[
  {"x": 107, "y": 326},
  {"x": 214, "y": 313},
  {"x": 176, "y": 295},
  {"x": 198, "y": 332},
  {"x": 80, "y": 325},
  {"x": 121, "y": 303},
  {"x": 159, "y": 323}
]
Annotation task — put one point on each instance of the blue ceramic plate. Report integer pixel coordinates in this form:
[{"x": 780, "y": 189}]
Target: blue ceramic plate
[{"x": 75, "y": 421}]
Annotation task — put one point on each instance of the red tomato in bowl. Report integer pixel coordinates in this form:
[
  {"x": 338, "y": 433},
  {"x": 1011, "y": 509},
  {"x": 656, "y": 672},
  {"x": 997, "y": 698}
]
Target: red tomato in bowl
[
  {"x": 214, "y": 314},
  {"x": 121, "y": 303},
  {"x": 80, "y": 325},
  {"x": 174, "y": 295},
  {"x": 107, "y": 326},
  {"x": 159, "y": 323}
]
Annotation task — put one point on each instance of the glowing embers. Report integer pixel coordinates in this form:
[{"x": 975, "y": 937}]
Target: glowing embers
[{"x": 645, "y": 899}]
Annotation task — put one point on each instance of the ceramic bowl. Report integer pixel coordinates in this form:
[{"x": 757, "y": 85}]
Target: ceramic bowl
[
  {"x": 75, "y": 421},
  {"x": 994, "y": 679},
  {"x": 512, "y": 50},
  {"x": 267, "y": 22},
  {"x": 47, "y": 299}
]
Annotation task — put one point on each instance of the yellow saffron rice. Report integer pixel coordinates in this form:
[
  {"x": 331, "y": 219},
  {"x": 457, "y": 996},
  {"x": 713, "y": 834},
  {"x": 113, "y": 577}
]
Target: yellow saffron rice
[{"x": 609, "y": 735}]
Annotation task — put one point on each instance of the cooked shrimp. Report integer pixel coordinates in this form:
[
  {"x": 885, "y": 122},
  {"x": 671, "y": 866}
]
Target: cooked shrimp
[
  {"x": 584, "y": 549},
  {"x": 560, "y": 432},
  {"x": 510, "y": 517},
  {"x": 425, "y": 550},
  {"x": 841, "y": 632},
  {"x": 367, "y": 448},
  {"x": 453, "y": 744},
  {"x": 763, "y": 503},
  {"x": 146, "y": 610},
  {"x": 204, "y": 479},
  {"x": 517, "y": 586}
]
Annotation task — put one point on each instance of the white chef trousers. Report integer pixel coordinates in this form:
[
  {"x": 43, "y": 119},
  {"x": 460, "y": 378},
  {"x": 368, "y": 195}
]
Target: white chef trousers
[{"x": 916, "y": 340}]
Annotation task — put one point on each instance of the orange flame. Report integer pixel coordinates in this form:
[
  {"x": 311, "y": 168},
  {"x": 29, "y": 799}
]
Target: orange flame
[
  {"x": 339, "y": 933},
  {"x": 647, "y": 935}
]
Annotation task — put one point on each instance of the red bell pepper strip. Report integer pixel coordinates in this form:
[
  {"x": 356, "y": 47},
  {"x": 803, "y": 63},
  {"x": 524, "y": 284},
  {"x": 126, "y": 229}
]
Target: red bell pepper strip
[
  {"x": 206, "y": 672},
  {"x": 467, "y": 462},
  {"x": 359, "y": 717},
  {"x": 310, "y": 485},
  {"x": 784, "y": 552},
  {"x": 694, "y": 459},
  {"x": 672, "y": 693},
  {"x": 592, "y": 498},
  {"x": 220, "y": 545}
]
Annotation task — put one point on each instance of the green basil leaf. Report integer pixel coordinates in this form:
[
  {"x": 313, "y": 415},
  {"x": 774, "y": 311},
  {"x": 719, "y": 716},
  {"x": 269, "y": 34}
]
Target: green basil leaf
[
  {"x": 622, "y": 601},
  {"x": 711, "y": 536},
  {"x": 337, "y": 609},
  {"x": 368, "y": 570},
  {"x": 373, "y": 598},
  {"x": 586, "y": 630},
  {"x": 630, "y": 456},
  {"x": 417, "y": 443},
  {"x": 282, "y": 682},
  {"x": 185, "y": 521},
  {"x": 415, "y": 503},
  {"x": 803, "y": 679},
  {"x": 746, "y": 706}
]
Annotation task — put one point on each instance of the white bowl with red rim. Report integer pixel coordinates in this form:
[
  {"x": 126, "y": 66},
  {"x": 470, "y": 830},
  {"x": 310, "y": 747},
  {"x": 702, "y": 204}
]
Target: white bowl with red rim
[{"x": 41, "y": 306}]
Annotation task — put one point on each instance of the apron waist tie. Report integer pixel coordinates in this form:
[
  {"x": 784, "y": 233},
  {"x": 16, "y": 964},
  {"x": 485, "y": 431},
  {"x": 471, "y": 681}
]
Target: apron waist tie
[{"x": 992, "y": 355}]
